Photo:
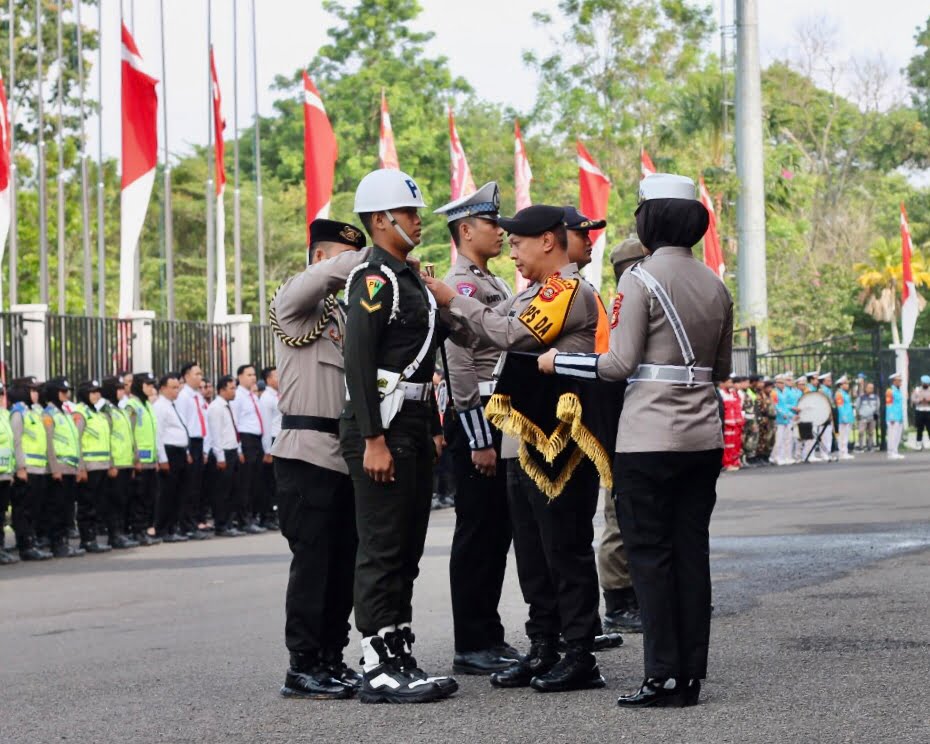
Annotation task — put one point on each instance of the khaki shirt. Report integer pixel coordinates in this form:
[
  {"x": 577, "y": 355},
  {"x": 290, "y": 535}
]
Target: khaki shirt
[
  {"x": 312, "y": 378},
  {"x": 474, "y": 362},
  {"x": 514, "y": 325},
  {"x": 664, "y": 416}
]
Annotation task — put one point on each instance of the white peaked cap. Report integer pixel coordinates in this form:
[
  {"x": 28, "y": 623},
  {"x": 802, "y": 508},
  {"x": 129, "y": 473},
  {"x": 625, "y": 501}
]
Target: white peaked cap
[
  {"x": 801, "y": 379},
  {"x": 485, "y": 201},
  {"x": 896, "y": 376},
  {"x": 666, "y": 186},
  {"x": 843, "y": 379}
]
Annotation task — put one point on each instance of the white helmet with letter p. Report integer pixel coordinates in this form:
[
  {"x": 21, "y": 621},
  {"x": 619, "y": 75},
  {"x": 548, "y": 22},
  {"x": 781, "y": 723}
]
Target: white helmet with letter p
[{"x": 387, "y": 188}]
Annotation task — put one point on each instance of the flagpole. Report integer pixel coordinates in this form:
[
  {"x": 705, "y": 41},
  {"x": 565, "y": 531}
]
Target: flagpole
[
  {"x": 259, "y": 217},
  {"x": 101, "y": 238},
  {"x": 169, "y": 222},
  {"x": 40, "y": 138},
  {"x": 237, "y": 227},
  {"x": 62, "y": 300},
  {"x": 85, "y": 207},
  {"x": 14, "y": 273},
  {"x": 137, "y": 254},
  {"x": 211, "y": 236}
]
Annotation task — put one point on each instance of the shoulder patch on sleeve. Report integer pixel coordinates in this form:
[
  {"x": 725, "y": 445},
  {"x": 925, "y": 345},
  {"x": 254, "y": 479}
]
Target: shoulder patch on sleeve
[
  {"x": 467, "y": 289},
  {"x": 374, "y": 283},
  {"x": 545, "y": 316}
]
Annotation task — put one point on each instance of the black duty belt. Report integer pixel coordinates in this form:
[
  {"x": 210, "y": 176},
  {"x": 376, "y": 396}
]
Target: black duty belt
[{"x": 313, "y": 423}]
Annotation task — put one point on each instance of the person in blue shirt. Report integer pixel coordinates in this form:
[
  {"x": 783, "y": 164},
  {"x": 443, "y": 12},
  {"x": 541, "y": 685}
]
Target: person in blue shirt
[
  {"x": 784, "y": 399},
  {"x": 845, "y": 416},
  {"x": 894, "y": 417}
]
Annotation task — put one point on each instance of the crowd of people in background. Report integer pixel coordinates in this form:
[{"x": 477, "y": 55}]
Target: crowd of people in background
[
  {"x": 136, "y": 459},
  {"x": 762, "y": 423}
]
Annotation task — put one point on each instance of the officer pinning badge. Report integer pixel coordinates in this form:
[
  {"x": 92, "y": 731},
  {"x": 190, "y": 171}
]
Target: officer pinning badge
[
  {"x": 615, "y": 311},
  {"x": 545, "y": 316},
  {"x": 464, "y": 288}
]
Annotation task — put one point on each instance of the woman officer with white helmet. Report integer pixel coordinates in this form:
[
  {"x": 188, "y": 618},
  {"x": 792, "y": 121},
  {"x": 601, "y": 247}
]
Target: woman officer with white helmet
[{"x": 390, "y": 435}]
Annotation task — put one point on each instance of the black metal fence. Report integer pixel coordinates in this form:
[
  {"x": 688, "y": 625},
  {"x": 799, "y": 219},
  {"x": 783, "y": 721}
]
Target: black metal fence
[
  {"x": 849, "y": 355},
  {"x": 83, "y": 347},
  {"x": 744, "y": 351},
  {"x": 261, "y": 344},
  {"x": 12, "y": 331},
  {"x": 175, "y": 342}
]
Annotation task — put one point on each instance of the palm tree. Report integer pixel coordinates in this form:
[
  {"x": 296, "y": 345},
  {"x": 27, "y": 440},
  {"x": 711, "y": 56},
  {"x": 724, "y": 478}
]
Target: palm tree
[{"x": 880, "y": 279}]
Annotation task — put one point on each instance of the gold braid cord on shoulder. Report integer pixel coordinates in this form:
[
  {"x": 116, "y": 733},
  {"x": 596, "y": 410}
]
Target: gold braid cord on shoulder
[
  {"x": 330, "y": 304},
  {"x": 570, "y": 429}
]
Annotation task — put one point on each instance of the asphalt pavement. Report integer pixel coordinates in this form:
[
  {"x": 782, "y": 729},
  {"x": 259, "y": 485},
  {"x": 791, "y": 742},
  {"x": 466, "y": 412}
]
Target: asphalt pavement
[{"x": 820, "y": 634}]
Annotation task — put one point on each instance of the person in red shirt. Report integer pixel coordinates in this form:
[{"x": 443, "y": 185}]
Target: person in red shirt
[{"x": 733, "y": 422}]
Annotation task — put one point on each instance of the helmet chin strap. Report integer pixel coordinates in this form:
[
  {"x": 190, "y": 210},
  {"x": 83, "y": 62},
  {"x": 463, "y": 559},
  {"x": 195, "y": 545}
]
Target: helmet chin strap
[{"x": 399, "y": 229}]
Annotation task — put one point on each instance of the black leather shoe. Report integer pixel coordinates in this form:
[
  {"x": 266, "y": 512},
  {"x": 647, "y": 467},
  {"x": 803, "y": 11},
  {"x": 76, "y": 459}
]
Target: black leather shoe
[
  {"x": 577, "y": 670},
  {"x": 252, "y": 529},
  {"x": 63, "y": 549},
  {"x": 653, "y": 693},
  {"x": 196, "y": 535},
  {"x": 229, "y": 532},
  {"x": 317, "y": 684},
  {"x": 8, "y": 559},
  {"x": 623, "y": 621},
  {"x": 145, "y": 539},
  {"x": 691, "y": 693},
  {"x": 92, "y": 546},
  {"x": 480, "y": 662},
  {"x": 32, "y": 553},
  {"x": 607, "y": 640},
  {"x": 506, "y": 651},
  {"x": 541, "y": 658},
  {"x": 173, "y": 537},
  {"x": 121, "y": 542}
]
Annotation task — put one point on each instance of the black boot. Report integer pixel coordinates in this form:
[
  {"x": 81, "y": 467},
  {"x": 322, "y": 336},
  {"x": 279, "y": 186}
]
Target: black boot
[
  {"x": 63, "y": 549},
  {"x": 308, "y": 677},
  {"x": 340, "y": 671},
  {"x": 484, "y": 662},
  {"x": 145, "y": 539},
  {"x": 577, "y": 670},
  {"x": 8, "y": 559},
  {"x": 384, "y": 681},
  {"x": 408, "y": 664},
  {"x": 29, "y": 552},
  {"x": 119, "y": 541},
  {"x": 691, "y": 693},
  {"x": 541, "y": 658},
  {"x": 89, "y": 543},
  {"x": 621, "y": 613},
  {"x": 658, "y": 693}
]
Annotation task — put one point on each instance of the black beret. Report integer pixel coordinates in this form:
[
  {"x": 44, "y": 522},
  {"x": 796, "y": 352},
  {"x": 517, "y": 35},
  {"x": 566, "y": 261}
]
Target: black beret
[
  {"x": 331, "y": 231},
  {"x": 89, "y": 386},
  {"x": 534, "y": 220},
  {"x": 575, "y": 220},
  {"x": 59, "y": 383}
]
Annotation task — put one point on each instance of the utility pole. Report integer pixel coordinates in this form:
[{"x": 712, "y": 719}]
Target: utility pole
[
  {"x": 750, "y": 205},
  {"x": 259, "y": 204}
]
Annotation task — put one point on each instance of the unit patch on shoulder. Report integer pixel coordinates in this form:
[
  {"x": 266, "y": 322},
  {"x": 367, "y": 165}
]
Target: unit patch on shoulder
[
  {"x": 464, "y": 288},
  {"x": 615, "y": 311},
  {"x": 545, "y": 316},
  {"x": 374, "y": 283}
]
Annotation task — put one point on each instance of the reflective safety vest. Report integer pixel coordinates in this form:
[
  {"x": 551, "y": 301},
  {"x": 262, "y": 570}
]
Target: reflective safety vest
[
  {"x": 64, "y": 437},
  {"x": 35, "y": 442},
  {"x": 7, "y": 459},
  {"x": 121, "y": 445},
  {"x": 144, "y": 430},
  {"x": 95, "y": 439}
]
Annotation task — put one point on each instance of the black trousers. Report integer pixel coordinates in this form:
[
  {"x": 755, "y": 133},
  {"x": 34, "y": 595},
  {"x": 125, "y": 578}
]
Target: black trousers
[
  {"x": 479, "y": 545},
  {"x": 664, "y": 504},
  {"x": 248, "y": 484},
  {"x": 391, "y": 518},
  {"x": 35, "y": 500},
  {"x": 222, "y": 487},
  {"x": 191, "y": 508},
  {"x": 24, "y": 501},
  {"x": 60, "y": 507},
  {"x": 91, "y": 505},
  {"x": 269, "y": 490},
  {"x": 144, "y": 499},
  {"x": 552, "y": 542},
  {"x": 316, "y": 508},
  {"x": 116, "y": 498},
  {"x": 6, "y": 489},
  {"x": 922, "y": 421},
  {"x": 173, "y": 489}
]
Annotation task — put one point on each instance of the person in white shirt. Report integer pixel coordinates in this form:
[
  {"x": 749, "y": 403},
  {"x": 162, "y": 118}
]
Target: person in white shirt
[
  {"x": 226, "y": 456},
  {"x": 173, "y": 452},
  {"x": 271, "y": 416},
  {"x": 251, "y": 430},
  {"x": 193, "y": 410}
]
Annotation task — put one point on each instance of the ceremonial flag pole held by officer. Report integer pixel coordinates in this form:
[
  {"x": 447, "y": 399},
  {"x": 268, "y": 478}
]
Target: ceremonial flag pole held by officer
[{"x": 671, "y": 339}]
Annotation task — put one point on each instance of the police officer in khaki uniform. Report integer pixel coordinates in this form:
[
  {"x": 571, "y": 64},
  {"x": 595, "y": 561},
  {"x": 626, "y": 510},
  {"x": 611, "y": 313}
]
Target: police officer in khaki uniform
[
  {"x": 672, "y": 338},
  {"x": 315, "y": 498},
  {"x": 482, "y": 535},
  {"x": 552, "y": 538}
]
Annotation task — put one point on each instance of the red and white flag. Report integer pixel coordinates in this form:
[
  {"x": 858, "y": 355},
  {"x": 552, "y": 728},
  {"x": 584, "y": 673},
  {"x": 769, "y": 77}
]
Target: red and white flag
[
  {"x": 713, "y": 254},
  {"x": 645, "y": 164},
  {"x": 461, "y": 183},
  {"x": 909, "y": 306},
  {"x": 522, "y": 177},
  {"x": 140, "y": 156},
  {"x": 219, "y": 151},
  {"x": 6, "y": 158},
  {"x": 320, "y": 152},
  {"x": 594, "y": 191},
  {"x": 386, "y": 150}
]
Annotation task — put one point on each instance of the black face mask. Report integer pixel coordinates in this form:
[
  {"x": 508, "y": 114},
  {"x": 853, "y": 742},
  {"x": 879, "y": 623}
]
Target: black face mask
[{"x": 678, "y": 222}]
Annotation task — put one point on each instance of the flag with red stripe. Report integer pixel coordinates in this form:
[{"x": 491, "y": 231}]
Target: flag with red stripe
[
  {"x": 594, "y": 192},
  {"x": 713, "y": 253},
  {"x": 522, "y": 178},
  {"x": 320, "y": 153},
  {"x": 909, "y": 302},
  {"x": 219, "y": 124},
  {"x": 645, "y": 164},
  {"x": 6, "y": 159},
  {"x": 461, "y": 182}
]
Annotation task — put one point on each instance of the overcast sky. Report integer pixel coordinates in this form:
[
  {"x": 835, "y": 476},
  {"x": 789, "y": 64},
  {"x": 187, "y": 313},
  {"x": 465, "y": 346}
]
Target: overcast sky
[{"x": 483, "y": 44}]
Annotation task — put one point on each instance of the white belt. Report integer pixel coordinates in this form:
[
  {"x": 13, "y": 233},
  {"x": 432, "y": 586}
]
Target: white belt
[
  {"x": 420, "y": 391},
  {"x": 486, "y": 388},
  {"x": 672, "y": 373}
]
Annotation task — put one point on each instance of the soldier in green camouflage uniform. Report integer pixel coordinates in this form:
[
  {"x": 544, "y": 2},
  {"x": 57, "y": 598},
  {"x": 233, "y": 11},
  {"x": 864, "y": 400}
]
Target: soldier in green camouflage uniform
[
  {"x": 765, "y": 418},
  {"x": 748, "y": 398}
]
